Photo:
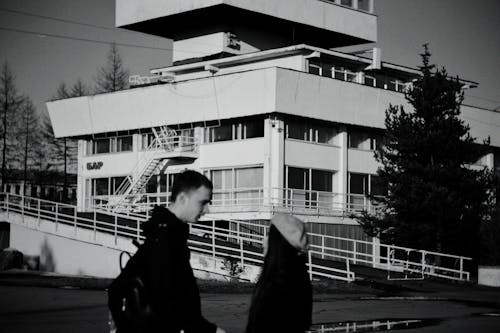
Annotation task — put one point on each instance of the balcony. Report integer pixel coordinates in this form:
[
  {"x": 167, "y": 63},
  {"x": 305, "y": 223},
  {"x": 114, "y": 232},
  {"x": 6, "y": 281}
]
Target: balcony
[{"x": 241, "y": 200}]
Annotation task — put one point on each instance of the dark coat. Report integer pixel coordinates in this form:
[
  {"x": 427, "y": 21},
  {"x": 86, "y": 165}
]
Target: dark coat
[
  {"x": 282, "y": 299},
  {"x": 170, "y": 285}
]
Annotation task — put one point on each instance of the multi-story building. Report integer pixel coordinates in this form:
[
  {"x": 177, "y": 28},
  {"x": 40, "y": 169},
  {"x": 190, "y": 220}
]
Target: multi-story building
[{"x": 258, "y": 101}]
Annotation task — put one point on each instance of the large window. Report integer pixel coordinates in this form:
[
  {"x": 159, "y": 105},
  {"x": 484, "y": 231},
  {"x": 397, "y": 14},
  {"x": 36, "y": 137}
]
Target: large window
[
  {"x": 235, "y": 130},
  {"x": 312, "y": 132},
  {"x": 309, "y": 188},
  {"x": 236, "y": 185},
  {"x": 361, "y": 185},
  {"x": 109, "y": 145},
  {"x": 364, "y": 140}
]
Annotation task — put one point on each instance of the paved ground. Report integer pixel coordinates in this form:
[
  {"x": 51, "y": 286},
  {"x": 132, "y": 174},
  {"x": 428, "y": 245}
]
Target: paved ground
[{"x": 414, "y": 306}]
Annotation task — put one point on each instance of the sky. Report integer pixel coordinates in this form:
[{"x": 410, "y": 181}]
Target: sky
[{"x": 463, "y": 36}]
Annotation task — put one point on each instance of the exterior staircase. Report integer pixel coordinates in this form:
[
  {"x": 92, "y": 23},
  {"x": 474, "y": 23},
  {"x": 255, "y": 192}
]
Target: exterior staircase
[{"x": 129, "y": 191}]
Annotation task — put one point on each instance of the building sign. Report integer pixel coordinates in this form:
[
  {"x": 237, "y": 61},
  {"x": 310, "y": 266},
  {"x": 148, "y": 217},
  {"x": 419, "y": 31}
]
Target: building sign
[{"x": 94, "y": 165}]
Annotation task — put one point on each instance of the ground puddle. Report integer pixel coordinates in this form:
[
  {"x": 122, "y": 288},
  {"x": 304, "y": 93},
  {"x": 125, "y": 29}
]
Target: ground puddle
[{"x": 372, "y": 325}]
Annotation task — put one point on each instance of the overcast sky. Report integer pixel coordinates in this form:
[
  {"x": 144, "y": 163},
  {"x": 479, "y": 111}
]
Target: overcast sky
[{"x": 463, "y": 37}]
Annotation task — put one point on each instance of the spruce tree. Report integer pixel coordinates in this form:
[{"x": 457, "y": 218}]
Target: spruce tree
[
  {"x": 436, "y": 200},
  {"x": 113, "y": 76}
]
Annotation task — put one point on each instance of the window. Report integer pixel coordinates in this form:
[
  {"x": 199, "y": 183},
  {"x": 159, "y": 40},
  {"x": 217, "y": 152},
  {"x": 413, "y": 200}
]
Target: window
[
  {"x": 101, "y": 146},
  {"x": 359, "y": 140},
  {"x": 236, "y": 130},
  {"x": 364, "y": 5},
  {"x": 327, "y": 135},
  {"x": 124, "y": 143},
  {"x": 313, "y": 132},
  {"x": 299, "y": 131},
  {"x": 109, "y": 145},
  {"x": 146, "y": 140},
  {"x": 369, "y": 81},
  {"x": 101, "y": 186},
  {"x": 314, "y": 67},
  {"x": 346, "y": 3},
  {"x": 253, "y": 129}
]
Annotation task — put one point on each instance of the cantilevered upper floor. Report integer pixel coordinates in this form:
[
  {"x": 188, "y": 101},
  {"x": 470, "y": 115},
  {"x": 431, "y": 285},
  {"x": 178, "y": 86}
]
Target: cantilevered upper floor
[
  {"x": 300, "y": 80},
  {"x": 254, "y": 24}
]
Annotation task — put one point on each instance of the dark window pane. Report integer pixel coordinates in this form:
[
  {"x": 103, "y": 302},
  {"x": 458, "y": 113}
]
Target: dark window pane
[
  {"x": 327, "y": 135},
  {"x": 298, "y": 178},
  {"x": 101, "y": 146},
  {"x": 358, "y": 183},
  {"x": 378, "y": 187},
  {"x": 322, "y": 180},
  {"x": 254, "y": 129},
  {"x": 101, "y": 186},
  {"x": 298, "y": 131},
  {"x": 125, "y": 143},
  {"x": 223, "y": 133}
]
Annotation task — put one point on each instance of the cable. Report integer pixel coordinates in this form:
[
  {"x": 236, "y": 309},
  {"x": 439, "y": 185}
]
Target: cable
[
  {"x": 89, "y": 25},
  {"x": 43, "y": 34},
  {"x": 65, "y": 20}
]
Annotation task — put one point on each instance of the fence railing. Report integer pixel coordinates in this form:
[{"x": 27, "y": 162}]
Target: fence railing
[
  {"x": 248, "y": 238},
  {"x": 234, "y": 239},
  {"x": 255, "y": 199}
]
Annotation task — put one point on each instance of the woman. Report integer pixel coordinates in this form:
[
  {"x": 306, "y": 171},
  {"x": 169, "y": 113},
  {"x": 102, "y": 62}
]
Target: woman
[{"x": 282, "y": 299}]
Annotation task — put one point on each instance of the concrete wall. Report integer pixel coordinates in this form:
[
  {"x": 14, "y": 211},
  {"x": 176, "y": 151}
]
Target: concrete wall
[
  {"x": 65, "y": 250},
  {"x": 315, "y": 13},
  {"x": 489, "y": 276}
]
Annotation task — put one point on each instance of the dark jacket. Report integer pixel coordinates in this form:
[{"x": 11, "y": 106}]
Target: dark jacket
[
  {"x": 282, "y": 299},
  {"x": 169, "y": 283}
]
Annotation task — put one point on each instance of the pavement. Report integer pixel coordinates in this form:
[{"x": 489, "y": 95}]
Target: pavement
[{"x": 47, "y": 302}]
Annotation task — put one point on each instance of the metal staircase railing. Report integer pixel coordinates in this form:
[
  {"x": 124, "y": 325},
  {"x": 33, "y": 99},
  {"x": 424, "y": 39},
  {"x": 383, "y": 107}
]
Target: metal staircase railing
[
  {"x": 243, "y": 240},
  {"x": 131, "y": 186}
]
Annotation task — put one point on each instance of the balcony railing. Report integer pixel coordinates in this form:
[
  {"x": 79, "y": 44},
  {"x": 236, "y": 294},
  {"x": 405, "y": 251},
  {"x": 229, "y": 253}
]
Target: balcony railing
[{"x": 256, "y": 199}]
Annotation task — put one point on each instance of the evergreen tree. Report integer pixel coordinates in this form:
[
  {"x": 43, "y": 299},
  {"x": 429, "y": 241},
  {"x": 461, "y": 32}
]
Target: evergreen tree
[
  {"x": 11, "y": 102},
  {"x": 435, "y": 200},
  {"x": 113, "y": 76}
]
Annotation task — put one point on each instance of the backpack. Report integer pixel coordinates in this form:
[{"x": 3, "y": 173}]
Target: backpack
[{"x": 127, "y": 299}]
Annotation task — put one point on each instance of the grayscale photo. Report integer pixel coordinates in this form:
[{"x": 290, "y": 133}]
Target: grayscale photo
[{"x": 249, "y": 166}]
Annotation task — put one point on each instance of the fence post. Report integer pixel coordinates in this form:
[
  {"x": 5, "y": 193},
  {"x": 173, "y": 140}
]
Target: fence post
[
  {"x": 355, "y": 253},
  {"x": 213, "y": 239},
  {"x": 116, "y": 229},
  {"x": 38, "y": 211},
  {"x": 241, "y": 253},
  {"x": 57, "y": 215},
  {"x": 138, "y": 230},
  {"x": 75, "y": 218},
  {"x": 22, "y": 207},
  {"x": 322, "y": 247},
  {"x": 423, "y": 263},
  {"x": 461, "y": 267},
  {"x": 95, "y": 225},
  {"x": 309, "y": 258}
]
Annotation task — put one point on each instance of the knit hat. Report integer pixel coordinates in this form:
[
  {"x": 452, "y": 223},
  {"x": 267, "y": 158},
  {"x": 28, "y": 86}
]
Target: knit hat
[{"x": 292, "y": 229}]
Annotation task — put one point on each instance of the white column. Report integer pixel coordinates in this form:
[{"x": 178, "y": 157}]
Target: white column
[
  {"x": 80, "y": 185},
  {"x": 274, "y": 158},
  {"x": 343, "y": 169}
]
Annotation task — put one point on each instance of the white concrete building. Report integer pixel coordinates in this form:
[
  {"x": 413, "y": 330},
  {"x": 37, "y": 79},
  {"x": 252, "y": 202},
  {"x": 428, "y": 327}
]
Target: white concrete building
[{"x": 255, "y": 99}]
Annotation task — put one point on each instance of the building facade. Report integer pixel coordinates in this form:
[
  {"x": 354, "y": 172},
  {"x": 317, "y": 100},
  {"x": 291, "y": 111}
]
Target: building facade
[{"x": 258, "y": 101}]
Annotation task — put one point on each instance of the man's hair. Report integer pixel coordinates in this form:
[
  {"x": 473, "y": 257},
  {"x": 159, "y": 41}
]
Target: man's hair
[{"x": 187, "y": 181}]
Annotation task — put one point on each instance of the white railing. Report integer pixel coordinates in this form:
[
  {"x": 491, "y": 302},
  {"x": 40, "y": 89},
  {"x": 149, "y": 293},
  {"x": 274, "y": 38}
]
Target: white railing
[
  {"x": 247, "y": 199},
  {"x": 390, "y": 257},
  {"x": 239, "y": 240}
]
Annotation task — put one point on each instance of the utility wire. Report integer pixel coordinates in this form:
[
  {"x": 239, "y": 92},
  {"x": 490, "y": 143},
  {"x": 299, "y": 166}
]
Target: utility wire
[
  {"x": 43, "y": 34},
  {"x": 65, "y": 20}
]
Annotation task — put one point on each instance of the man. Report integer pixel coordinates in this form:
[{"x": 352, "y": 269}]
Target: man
[{"x": 163, "y": 262}]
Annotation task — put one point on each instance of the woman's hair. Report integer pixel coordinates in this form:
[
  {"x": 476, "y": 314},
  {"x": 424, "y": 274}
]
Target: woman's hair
[{"x": 282, "y": 296}]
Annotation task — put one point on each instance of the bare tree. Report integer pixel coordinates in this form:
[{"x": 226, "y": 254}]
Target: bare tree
[
  {"x": 30, "y": 135},
  {"x": 113, "y": 76},
  {"x": 10, "y": 103}
]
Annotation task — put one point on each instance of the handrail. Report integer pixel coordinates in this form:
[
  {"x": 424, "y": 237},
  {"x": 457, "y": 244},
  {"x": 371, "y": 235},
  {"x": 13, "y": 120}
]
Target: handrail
[
  {"x": 51, "y": 211},
  {"x": 389, "y": 257}
]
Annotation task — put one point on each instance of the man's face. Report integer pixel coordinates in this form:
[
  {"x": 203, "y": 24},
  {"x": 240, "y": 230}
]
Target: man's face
[{"x": 195, "y": 204}]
